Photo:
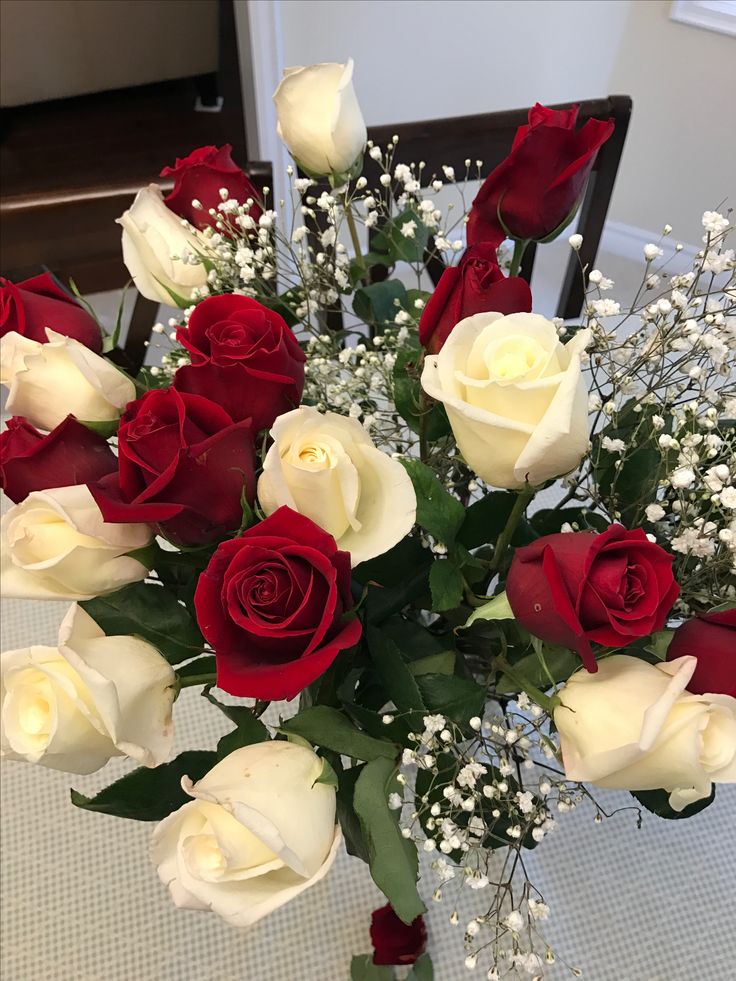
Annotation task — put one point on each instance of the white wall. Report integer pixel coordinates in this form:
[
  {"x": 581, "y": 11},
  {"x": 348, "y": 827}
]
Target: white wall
[{"x": 419, "y": 60}]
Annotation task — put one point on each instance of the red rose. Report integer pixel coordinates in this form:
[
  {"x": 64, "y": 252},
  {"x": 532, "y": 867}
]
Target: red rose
[
  {"x": 393, "y": 941},
  {"x": 711, "y": 637},
  {"x": 30, "y": 307},
  {"x": 244, "y": 356},
  {"x": 539, "y": 184},
  {"x": 183, "y": 464},
  {"x": 574, "y": 588},
  {"x": 475, "y": 285},
  {"x": 271, "y": 604},
  {"x": 69, "y": 454},
  {"x": 200, "y": 176}
]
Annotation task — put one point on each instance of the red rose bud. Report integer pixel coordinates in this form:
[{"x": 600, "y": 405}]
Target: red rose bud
[
  {"x": 28, "y": 308},
  {"x": 69, "y": 454},
  {"x": 475, "y": 285},
  {"x": 711, "y": 638},
  {"x": 537, "y": 187},
  {"x": 395, "y": 942},
  {"x": 183, "y": 464},
  {"x": 571, "y": 589},
  {"x": 200, "y": 177},
  {"x": 272, "y": 603},
  {"x": 243, "y": 355}
]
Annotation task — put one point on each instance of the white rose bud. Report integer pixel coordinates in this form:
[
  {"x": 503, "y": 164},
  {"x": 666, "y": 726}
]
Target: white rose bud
[
  {"x": 325, "y": 466},
  {"x": 633, "y": 726},
  {"x": 259, "y": 831},
  {"x": 515, "y": 397},
  {"x": 75, "y": 706},
  {"x": 56, "y": 545},
  {"x": 319, "y": 118},
  {"x": 47, "y": 382},
  {"x": 154, "y": 242}
]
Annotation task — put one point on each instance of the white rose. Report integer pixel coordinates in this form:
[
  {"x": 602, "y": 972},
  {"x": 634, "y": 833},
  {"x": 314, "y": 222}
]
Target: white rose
[
  {"x": 56, "y": 545},
  {"x": 633, "y": 726},
  {"x": 325, "y": 466},
  {"x": 259, "y": 831},
  {"x": 49, "y": 381},
  {"x": 319, "y": 117},
  {"x": 74, "y": 706},
  {"x": 154, "y": 243},
  {"x": 515, "y": 397}
]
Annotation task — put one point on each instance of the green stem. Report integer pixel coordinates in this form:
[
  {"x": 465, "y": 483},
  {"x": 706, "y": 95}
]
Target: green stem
[
  {"x": 353, "y": 229},
  {"x": 504, "y": 539},
  {"x": 423, "y": 442},
  {"x": 197, "y": 679},
  {"x": 520, "y": 245},
  {"x": 549, "y": 704}
]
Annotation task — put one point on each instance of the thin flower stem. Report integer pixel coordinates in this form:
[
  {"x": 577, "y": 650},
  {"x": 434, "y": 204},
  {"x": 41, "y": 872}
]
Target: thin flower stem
[
  {"x": 520, "y": 245},
  {"x": 504, "y": 539},
  {"x": 353, "y": 229},
  {"x": 197, "y": 679}
]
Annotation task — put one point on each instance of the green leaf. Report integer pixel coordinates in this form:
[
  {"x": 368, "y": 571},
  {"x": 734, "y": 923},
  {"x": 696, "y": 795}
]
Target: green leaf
[
  {"x": 392, "y": 859},
  {"x": 362, "y": 968},
  {"x": 398, "y": 681},
  {"x": 327, "y": 775},
  {"x": 106, "y": 428},
  {"x": 329, "y": 728},
  {"x": 149, "y": 794},
  {"x": 657, "y": 801},
  {"x": 398, "y": 246},
  {"x": 354, "y": 843},
  {"x": 447, "y": 585},
  {"x": 659, "y": 642},
  {"x": 560, "y": 664},
  {"x": 395, "y": 566},
  {"x": 498, "y": 608},
  {"x": 438, "y": 512},
  {"x": 151, "y": 612},
  {"x": 422, "y": 970},
  {"x": 457, "y": 698},
  {"x": 443, "y": 662},
  {"x": 376, "y": 304},
  {"x": 200, "y": 665},
  {"x": 412, "y": 405},
  {"x": 485, "y": 519},
  {"x": 178, "y": 301}
]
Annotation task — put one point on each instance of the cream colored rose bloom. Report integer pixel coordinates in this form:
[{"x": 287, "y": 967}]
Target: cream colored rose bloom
[
  {"x": 74, "y": 706},
  {"x": 319, "y": 117},
  {"x": 154, "y": 242},
  {"x": 56, "y": 545},
  {"x": 49, "y": 381},
  {"x": 515, "y": 397},
  {"x": 633, "y": 726},
  {"x": 258, "y": 831},
  {"x": 325, "y": 466}
]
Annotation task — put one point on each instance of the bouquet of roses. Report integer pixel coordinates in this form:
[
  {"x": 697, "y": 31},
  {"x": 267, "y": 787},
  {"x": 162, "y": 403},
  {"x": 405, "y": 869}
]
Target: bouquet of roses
[{"x": 325, "y": 495}]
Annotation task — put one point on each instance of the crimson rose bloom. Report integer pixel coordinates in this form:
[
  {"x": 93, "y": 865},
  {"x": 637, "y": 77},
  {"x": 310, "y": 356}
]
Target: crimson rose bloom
[
  {"x": 200, "y": 176},
  {"x": 393, "y": 941},
  {"x": 574, "y": 588},
  {"x": 30, "y": 307},
  {"x": 538, "y": 185},
  {"x": 711, "y": 637},
  {"x": 69, "y": 454},
  {"x": 272, "y": 603},
  {"x": 475, "y": 285},
  {"x": 245, "y": 356},
  {"x": 183, "y": 464}
]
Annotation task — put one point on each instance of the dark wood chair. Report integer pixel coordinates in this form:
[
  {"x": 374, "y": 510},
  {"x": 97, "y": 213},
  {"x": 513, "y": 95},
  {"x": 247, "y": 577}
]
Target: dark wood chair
[{"x": 488, "y": 137}]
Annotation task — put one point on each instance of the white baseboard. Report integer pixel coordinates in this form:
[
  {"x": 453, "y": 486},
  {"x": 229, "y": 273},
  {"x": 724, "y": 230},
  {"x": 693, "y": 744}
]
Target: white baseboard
[{"x": 628, "y": 241}]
